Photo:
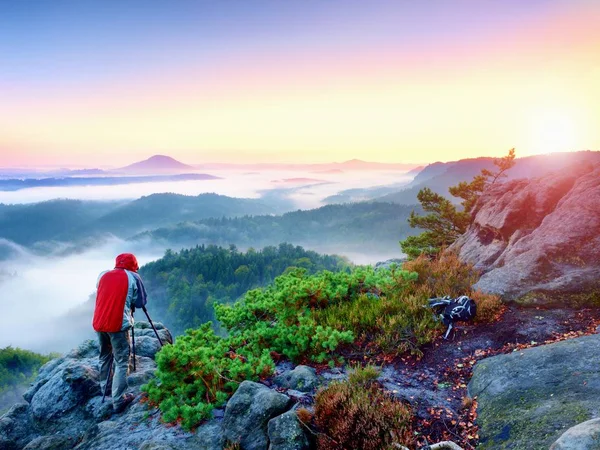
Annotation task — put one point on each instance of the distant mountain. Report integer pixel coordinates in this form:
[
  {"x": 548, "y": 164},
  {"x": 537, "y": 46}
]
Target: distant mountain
[
  {"x": 157, "y": 164},
  {"x": 440, "y": 176}
]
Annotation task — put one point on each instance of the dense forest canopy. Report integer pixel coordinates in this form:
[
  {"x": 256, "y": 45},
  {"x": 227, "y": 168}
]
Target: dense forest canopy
[{"x": 183, "y": 286}]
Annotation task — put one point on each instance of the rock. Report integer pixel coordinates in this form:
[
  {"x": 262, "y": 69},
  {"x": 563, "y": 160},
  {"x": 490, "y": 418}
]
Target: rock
[
  {"x": 585, "y": 436},
  {"x": 210, "y": 436},
  {"x": 302, "y": 378},
  {"x": 164, "y": 334},
  {"x": 66, "y": 403},
  {"x": 537, "y": 241},
  {"x": 73, "y": 387},
  {"x": 16, "y": 427},
  {"x": 527, "y": 399},
  {"x": 146, "y": 346},
  {"x": 87, "y": 349},
  {"x": 149, "y": 445},
  {"x": 98, "y": 410},
  {"x": 248, "y": 413},
  {"x": 287, "y": 433},
  {"x": 44, "y": 374},
  {"x": 55, "y": 442}
]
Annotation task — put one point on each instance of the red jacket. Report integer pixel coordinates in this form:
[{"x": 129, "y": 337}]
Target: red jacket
[{"x": 116, "y": 293}]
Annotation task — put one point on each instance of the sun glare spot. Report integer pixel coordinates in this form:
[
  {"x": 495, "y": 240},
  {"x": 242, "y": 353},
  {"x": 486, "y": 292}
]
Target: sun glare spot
[{"x": 551, "y": 131}]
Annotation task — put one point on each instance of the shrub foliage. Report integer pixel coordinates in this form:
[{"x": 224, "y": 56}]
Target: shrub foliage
[
  {"x": 305, "y": 318},
  {"x": 358, "y": 414},
  {"x": 201, "y": 370}
]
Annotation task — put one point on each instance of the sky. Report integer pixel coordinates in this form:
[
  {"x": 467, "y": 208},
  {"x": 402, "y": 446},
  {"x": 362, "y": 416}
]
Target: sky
[{"x": 106, "y": 83}]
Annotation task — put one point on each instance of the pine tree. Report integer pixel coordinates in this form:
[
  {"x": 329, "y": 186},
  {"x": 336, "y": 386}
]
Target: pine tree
[{"x": 445, "y": 222}]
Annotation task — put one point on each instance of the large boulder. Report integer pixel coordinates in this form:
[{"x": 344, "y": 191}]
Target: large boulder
[
  {"x": 528, "y": 398},
  {"x": 536, "y": 240},
  {"x": 302, "y": 378},
  {"x": 248, "y": 413},
  {"x": 585, "y": 436},
  {"x": 287, "y": 433}
]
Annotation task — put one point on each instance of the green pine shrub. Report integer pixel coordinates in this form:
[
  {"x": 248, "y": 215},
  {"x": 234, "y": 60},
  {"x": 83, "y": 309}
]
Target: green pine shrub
[{"x": 202, "y": 370}]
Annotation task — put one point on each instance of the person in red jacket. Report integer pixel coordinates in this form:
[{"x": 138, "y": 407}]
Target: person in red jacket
[{"x": 119, "y": 291}]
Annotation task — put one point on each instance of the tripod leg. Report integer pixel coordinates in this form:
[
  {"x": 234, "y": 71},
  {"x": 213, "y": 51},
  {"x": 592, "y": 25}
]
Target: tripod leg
[
  {"x": 133, "y": 345},
  {"x": 152, "y": 324}
]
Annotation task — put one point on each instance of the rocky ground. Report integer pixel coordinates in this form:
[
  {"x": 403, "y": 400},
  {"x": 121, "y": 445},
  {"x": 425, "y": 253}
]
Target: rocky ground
[
  {"x": 63, "y": 408},
  {"x": 436, "y": 384}
]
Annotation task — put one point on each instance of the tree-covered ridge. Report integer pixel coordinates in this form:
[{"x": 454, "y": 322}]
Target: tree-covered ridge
[
  {"x": 19, "y": 366},
  {"x": 361, "y": 227},
  {"x": 77, "y": 220},
  {"x": 184, "y": 286}
]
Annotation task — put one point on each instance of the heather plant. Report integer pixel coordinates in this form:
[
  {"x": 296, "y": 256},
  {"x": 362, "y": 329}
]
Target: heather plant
[
  {"x": 357, "y": 414},
  {"x": 446, "y": 274}
]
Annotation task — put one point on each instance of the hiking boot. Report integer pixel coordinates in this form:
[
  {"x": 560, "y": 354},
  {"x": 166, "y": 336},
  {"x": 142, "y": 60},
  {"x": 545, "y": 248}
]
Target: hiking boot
[{"x": 126, "y": 399}]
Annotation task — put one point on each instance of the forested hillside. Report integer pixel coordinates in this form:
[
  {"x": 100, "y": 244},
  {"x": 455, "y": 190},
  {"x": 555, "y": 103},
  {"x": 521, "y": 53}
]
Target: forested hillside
[
  {"x": 360, "y": 227},
  {"x": 184, "y": 286},
  {"x": 76, "y": 220}
]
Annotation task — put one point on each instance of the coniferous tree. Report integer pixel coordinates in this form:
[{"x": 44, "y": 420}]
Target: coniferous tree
[{"x": 445, "y": 222}]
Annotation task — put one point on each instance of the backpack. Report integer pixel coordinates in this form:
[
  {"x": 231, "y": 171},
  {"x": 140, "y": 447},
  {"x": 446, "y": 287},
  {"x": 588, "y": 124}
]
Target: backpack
[{"x": 451, "y": 310}]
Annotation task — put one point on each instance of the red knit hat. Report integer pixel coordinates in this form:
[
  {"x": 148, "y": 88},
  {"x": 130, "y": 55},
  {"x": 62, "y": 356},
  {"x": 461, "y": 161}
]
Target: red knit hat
[{"x": 127, "y": 261}]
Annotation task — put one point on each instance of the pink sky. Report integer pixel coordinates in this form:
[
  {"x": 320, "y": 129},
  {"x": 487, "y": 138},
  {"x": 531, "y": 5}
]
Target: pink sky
[{"x": 400, "y": 83}]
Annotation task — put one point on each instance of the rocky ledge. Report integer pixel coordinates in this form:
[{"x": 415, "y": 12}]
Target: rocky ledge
[
  {"x": 538, "y": 240},
  {"x": 63, "y": 409},
  {"x": 529, "y": 398}
]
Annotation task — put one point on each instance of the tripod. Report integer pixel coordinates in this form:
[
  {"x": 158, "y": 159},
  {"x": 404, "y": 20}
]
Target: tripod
[{"x": 110, "y": 364}]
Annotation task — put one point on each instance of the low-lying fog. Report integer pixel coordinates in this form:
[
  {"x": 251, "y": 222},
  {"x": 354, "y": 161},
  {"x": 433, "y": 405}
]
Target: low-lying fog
[
  {"x": 306, "y": 189},
  {"x": 44, "y": 300},
  {"x": 36, "y": 292}
]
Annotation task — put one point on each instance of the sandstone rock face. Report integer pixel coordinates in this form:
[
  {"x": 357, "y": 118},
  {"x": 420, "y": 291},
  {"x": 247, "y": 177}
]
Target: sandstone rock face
[
  {"x": 538, "y": 240},
  {"x": 527, "y": 399},
  {"x": 248, "y": 413},
  {"x": 585, "y": 436}
]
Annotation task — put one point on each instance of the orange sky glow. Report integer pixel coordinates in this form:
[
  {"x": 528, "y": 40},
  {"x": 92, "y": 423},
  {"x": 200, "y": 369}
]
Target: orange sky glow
[{"x": 535, "y": 86}]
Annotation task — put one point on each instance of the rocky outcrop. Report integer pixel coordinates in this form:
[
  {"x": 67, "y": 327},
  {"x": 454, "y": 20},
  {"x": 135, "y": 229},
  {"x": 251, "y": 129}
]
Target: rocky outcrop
[
  {"x": 528, "y": 398},
  {"x": 64, "y": 409},
  {"x": 584, "y": 436},
  {"x": 538, "y": 240}
]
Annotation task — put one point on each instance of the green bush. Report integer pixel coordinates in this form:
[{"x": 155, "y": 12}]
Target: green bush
[{"x": 202, "y": 370}]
